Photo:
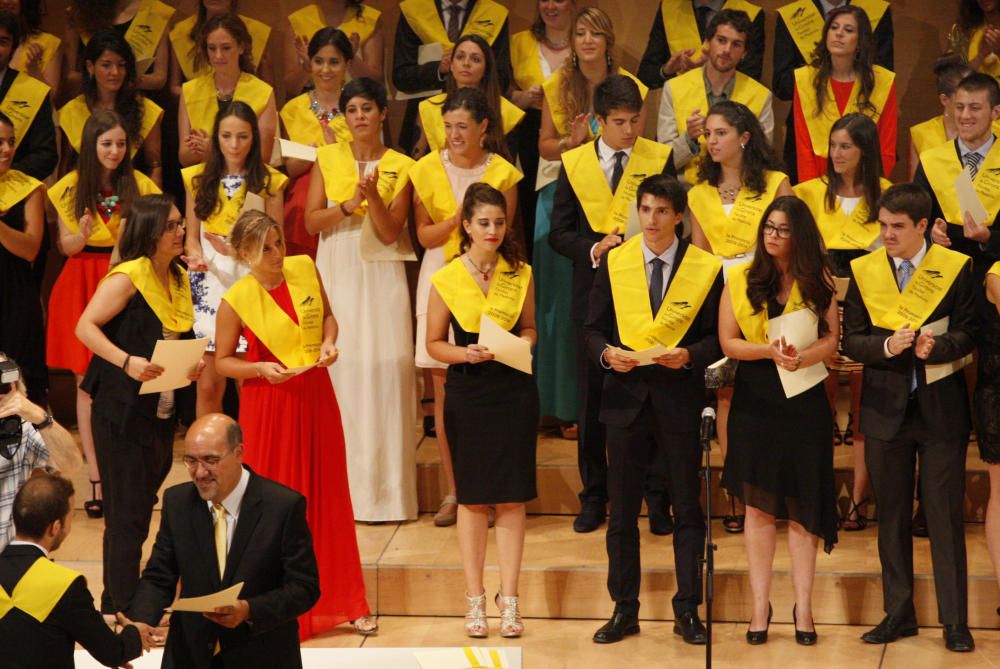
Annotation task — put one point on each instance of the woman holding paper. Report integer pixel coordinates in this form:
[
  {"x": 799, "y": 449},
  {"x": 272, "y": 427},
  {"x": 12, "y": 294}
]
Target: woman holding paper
[
  {"x": 359, "y": 200},
  {"x": 491, "y": 410},
  {"x": 780, "y": 460},
  {"x": 216, "y": 193},
  {"x": 288, "y": 410},
  {"x": 145, "y": 298}
]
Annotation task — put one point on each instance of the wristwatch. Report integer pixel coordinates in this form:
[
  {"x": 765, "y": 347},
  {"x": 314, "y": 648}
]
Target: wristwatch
[{"x": 48, "y": 420}]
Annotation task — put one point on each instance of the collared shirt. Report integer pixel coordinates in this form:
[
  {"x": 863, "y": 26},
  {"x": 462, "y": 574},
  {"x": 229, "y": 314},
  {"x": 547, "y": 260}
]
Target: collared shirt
[
  {"x": 446, "y": 13},
  {"x": 896, "y": 262},
  {"x": 606, "y": 157},
  {"x": 23, "y": 542},
  {"x": 232, "y": 506},
  {"x": 981, "y": 150},
  {"x": 667, "y": 257},
  {"x": 30, "y": 455},
  {"x": 714, "y": 6},
  {"x": 829, "y": 6}
]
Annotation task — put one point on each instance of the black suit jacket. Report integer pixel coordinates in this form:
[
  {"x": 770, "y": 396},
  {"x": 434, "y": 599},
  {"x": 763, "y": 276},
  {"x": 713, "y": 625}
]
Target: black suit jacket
[
  {"x": 36, "y": 154},
  {"x": 944, "y": 405},
  {"x": 29, "y": 644},
  {"x": 271, "y": 553},
  {"x": 677, "y": 394}
]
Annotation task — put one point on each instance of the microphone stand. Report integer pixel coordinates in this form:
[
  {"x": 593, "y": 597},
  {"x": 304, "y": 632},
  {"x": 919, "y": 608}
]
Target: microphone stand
[{"x": 708, "y": 428}]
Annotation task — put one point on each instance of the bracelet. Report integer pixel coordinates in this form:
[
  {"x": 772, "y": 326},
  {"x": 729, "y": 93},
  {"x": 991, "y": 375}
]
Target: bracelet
[
  {"x": 125, "y": 364},
  {"x": 48, "y": 420},
  {"x": 343, "y": 210}
]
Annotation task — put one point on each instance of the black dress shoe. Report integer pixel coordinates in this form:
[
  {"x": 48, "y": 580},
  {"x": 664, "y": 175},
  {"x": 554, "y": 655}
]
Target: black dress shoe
[
  {"x": 592, "y": 515},
  {"x": 660, "y": 524},
  {"x": 689, "y": 626},
  {"x": 958, "y": 639},
  {"x": 758, "y": 637},
  {"x": 890, "y": 629},
  {"x": 616, "y": 629},
  {"x": 803, "y": 638}
]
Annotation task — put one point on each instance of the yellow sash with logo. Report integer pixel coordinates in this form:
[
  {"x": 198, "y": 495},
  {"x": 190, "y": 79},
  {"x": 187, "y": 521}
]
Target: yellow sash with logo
[
  {"x": 14, "y": 187},
  {"x": 839, "y": 230},
  {"x": 147, "y": 29},
  {"x": 39, "y": 590},
  {"x": 560, "y": 116},
  {"x": 681, "y": 27},
  {"x": 175, "y": 310},
  {"x": 185, "y": 48},
  {"x": 691, "y": 282},
  {"x": 431, "y": 183},
  {"x": 689, "y": 94},
  {"x": 49, "y": 43},
  {"x": 942, "y": 166},
  {"x": 805, "y": 22},
  {"x": 486, "y": 20},
  {"x": 432, "y": 119},
  {"x": 524, "y": 59},
  {"x": 340, "y": 174},
  {"x": 754, "y": 325},
  {"x": 820, "y": 123},
  {"x": 736, "y": 233},
  {"x": 606, "y": 210},
  {"x": 201, "y": 99},
  {"x": 295, "y": 345},
  {"x": 228, "y": 209},
  {"x": 932, "y": 132},
  {"x": 23, "y": 100},
  {"x": 890, "y": 309},
  {"x": 74, "y": 114},
  {"x": 303, "y": 127},
  {"x": 502, "y": 303},
  {"x": 991, "y": 64},
  {"x": 308, "y": 20},
  {"x": 63, "y": 198}
]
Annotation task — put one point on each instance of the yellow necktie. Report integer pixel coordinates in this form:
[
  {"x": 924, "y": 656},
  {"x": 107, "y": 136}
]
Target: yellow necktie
[{"x": 221, "y": 536}]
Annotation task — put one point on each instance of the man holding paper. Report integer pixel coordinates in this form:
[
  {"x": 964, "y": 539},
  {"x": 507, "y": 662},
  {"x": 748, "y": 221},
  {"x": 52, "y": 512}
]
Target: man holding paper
[
  {"x": 654, "y": 290},
  {"x": 898, "y": 298}
]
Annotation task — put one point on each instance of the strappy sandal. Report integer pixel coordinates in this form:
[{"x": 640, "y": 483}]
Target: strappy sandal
[
  {"x": 447, "y": 512},
  {"x": 94, "y": 507},
  {"x": 476, "y": 625},
  {"x": 733, "y": 523},
  {"x": 511, "y": 626},
  {"x": 838, "y": 438},
  {"x": 860, "y": 520},
  {"x": 848, "y": 438},
  {"x": 366, "y": 625}
]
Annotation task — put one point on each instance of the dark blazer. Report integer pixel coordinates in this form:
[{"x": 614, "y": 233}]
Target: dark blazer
[
  {"x": 677, "y": 394},
  {"x": 944, "y": 406},
  {"x": 36, "y": 154},
  {"x": 271, "y": 552},
  {"x": 29, "y": 644}
]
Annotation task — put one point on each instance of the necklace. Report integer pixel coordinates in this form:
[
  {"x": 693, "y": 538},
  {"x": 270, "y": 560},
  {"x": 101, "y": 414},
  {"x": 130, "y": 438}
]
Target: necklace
[
  {"x": 322, "y": 115},
  {"x": 107, "y": 206},
  {"x": 485, "y": 272},
  {"x": 729, "y": 193},
  {"x": 556, "y": 46}
]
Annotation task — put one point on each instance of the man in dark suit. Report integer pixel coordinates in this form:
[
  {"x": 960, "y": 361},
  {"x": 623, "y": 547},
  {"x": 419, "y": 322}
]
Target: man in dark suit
[
  {"x": 258, "y": 537},
  {"x": 894, "y": 295},
  {"x": 46, "y": 608},
  {"x": 584, "y": 234},
  {"x": 638, "y": 301}
]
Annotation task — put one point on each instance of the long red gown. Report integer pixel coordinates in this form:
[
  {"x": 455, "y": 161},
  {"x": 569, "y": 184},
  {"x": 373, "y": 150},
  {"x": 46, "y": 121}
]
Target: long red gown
[{"x": 293, "y": 435}]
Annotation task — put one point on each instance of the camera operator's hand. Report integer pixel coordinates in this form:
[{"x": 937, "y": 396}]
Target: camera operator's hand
[
  {"x": 15, "y": 403},
  {"x": 141, "y": 369}
]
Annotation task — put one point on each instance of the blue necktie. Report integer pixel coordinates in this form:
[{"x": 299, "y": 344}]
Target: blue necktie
[{"x": 905, "y": 274}]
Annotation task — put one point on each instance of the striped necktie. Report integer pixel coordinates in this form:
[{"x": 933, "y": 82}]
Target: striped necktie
[{"x": 972, "y": 160}]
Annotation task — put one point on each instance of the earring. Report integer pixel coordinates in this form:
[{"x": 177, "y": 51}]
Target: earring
[
  {"x": 743, "y": 146},
  {"x": 576, "y": 61},
  {"x": 608, "y": 58}
]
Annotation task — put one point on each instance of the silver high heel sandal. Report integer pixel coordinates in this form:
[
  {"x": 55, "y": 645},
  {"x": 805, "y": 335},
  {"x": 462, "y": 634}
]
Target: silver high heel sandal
[
  {"x": 511, "y": 626},
  {"x": 475, "y": 620}
]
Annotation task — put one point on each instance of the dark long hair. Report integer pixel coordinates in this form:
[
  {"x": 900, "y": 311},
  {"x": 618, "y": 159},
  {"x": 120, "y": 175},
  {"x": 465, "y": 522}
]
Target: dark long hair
[
  {"x": 147, "y": 223},
  {"x": 89, "y": 168},
  {"x": 233, "y": 25},
  {"x": 128, "y": 102},
  {"x": 758, "y": 156},
  {"x": 808, "y": 264},
  {"x": 864, "y": 58},
  {"x": 206, "y": 184},
  {"x": 482, "y": 194},
  {"x": 90, "y": 16},
  {"x": 473, "y": 101},
  {"x": 970, "y": 16},
  {"x": 490, "y": 83},
  {"x": 864, "y": 133},
  {"x": 198, "y": 29}
]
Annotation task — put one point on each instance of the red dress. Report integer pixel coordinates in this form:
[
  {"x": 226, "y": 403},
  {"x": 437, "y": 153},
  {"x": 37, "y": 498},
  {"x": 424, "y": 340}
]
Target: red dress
[
  {"x": 298, "y": 240},
  {"x": 293, "y": 435}
]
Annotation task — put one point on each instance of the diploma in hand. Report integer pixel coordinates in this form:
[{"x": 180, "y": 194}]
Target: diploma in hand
[
  {"x": 968, "y": 199},
  {"x": 178, "y": 358},
  {"x": 509, "y": 349},
  {"x": 208, "y": 603},
  {"x": 645, "y": 356},
  {"x": 799, "y": 329}
]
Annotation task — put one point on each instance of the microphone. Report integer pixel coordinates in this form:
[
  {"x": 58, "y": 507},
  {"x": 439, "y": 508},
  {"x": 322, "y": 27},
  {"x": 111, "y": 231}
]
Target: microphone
[{"x": 707, "y": 424}]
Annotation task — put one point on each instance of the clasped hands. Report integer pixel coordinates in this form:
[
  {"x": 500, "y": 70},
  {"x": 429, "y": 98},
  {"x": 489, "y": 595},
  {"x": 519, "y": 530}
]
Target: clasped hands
[
  {"x": 674, "y": 358},
  {"x": 785, "y": 355},
  {"x": 276, "y": 373},
  {"x": 142, "y": 370},
  {"x": 365, "y": 191},
  {"x": 905, "y": 337},
  {"x": 970, "y": 228}
]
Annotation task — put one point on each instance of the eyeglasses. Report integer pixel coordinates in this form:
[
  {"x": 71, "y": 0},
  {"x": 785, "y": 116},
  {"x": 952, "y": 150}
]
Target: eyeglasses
[
  {"x": 174, "y": 224},
  {"x": 783, "y": 233},
  {"x": 209, "y": 462}
]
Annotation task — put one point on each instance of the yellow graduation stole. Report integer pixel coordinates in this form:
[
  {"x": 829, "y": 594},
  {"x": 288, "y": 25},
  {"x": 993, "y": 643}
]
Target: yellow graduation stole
[
  {"x": 14, "y": 187},
  {"x": 689, "y": 94},
  {"x": 820, "y": 124},
  {"x": 890, "y": 309},
  {"x": 691, "y": 282},
  {"x": 942, "y": 166},
  {"x": 74, "y": 114},
  {"x": 175, "y": 310},
  {"x": 432, "y": 185},
  {"x": 63, "y": 198},
  {"x": 502, "y": 303},
  {"x": 486, "y": 20},
  {"x": 146, "y": 30},
  {"x": 340, "y": 174},
  {"x": 560, "y": 116},
  {"x": 308, "y": 20},
  {"x": 303, "y": 127},
  {"x": 805, "y": 22},
  {"x": 295, "y": 345},
  {"x": 228, "y": 209},
  {"x": 47, "y": 41},
  {"x": 39, "y": 590},
  {"x": 432, "y": 118},
  {"x": 995, "y": 269},
  {"x": 736, "y": 233},
  {"x": 524, "y": 60},
  {"x": 185, "y": 48},
  {"x": 991, "y": 64},
  {"x": 754, "y": 325},
  {"x": 681, "y": 28},
  {"x": 839, "y": 230},
  {"x": 23, "y": 100},
  {"x": 606, "y": 210},
  {"x": 931, "y": 133},
  {"x": 201, "y": 99}
]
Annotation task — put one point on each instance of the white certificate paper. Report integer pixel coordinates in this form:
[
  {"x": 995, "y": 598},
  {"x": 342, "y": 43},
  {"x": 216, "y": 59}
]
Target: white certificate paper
[
  {"x": 286, "y": 148},
  {"x": 253, "y": 202},
  {"x": 933, "y": 373},
  {"x": 643, "y": 357},
  {"x": 507, "y": 348},
  {"x": 799, "y": 329},
  {"x": 208, "y": 603},
  {"x": 968, "y": 199},
  {"x": 178, "y": 358}
]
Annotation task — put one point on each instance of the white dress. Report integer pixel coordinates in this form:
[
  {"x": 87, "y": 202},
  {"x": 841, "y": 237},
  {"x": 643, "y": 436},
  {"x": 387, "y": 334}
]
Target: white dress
[{"x": 373, "y": 378}]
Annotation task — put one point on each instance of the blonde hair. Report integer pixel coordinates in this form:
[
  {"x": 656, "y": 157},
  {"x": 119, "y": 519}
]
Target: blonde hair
[
  {"x": 249, "y": 233},
  {"x": 574, "y": 89}
]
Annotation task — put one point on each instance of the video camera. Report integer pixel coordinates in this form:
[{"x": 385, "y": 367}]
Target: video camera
[{"x": 10, "y": 427}]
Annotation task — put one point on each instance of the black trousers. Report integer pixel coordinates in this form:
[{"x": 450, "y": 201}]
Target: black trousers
[
  {"x": 632, "y": 451},
  {"x": 891, "y": 465},
  {"x": 590, "y": 449},
  {"x": 133, "y": 460}
]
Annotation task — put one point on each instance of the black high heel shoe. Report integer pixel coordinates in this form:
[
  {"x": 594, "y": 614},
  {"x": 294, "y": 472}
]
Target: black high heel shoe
[
  {"x": 803, "y": 638},
  {"x": 94, "y": 507},
  {"x": 756, "y": 638},
  {"x": 848, "y": 434},
  {"x": 734, "y": 522},
  {"x": 429, "y": 426}
]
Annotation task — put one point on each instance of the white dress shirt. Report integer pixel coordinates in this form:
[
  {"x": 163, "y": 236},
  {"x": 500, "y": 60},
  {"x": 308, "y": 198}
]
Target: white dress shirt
[
  {"x": 896, "y": 262},
  {"x": 667, "y": 257},
  {"x": 981, "y": 150},
  {"x": 606, "y": 157},
  {"x": 22, "y": 542},
  {"x": 232, "y": 506}
]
